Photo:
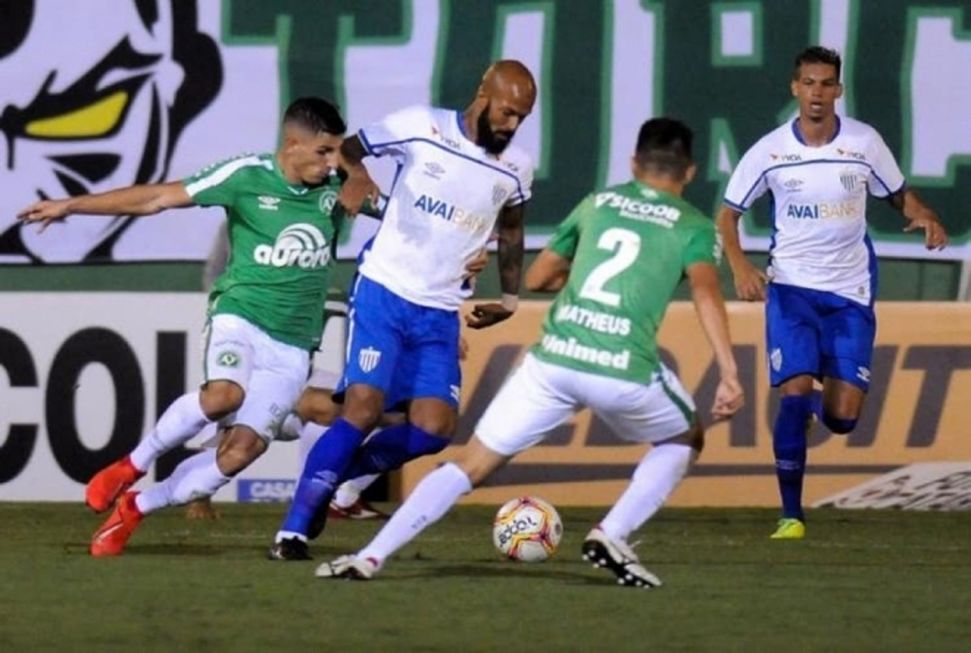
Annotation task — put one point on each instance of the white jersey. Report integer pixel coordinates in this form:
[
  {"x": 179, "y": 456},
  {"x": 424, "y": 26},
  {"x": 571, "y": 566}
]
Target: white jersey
[
  {"x": 819, "y": 195},
  {"x": 442, "y": 206}
]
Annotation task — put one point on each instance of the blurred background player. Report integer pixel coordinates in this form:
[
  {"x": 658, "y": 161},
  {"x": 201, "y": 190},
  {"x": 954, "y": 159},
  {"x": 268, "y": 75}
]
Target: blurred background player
[
  {"x": 264, "y": 311},
  {"x": 822, "y": 275},
  {"x": 459, "y": 177},
  {"x": 615, "y": 262}
]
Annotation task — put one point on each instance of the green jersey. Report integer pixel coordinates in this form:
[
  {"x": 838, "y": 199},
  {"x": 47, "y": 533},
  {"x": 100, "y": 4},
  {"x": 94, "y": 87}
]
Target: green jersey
[
  {"x": 630, "y": 246},
  {"x": 281, "y": 242}
]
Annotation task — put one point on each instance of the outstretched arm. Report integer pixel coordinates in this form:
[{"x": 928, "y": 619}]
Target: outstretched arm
[
  {"x": 511, "y": 246},
  {"x": 144, "y": 199},
  {"x": 920, "y": 216},
  {"x": 548, "y": 273},
  {"x": 749, "y": 280},
  {"x": 359, "y": 186},
  {"x": 710, "y": 305}
]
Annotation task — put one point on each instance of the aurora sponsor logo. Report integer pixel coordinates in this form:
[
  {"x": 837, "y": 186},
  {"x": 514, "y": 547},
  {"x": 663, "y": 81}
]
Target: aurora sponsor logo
[{"x": 299, "y": 245}]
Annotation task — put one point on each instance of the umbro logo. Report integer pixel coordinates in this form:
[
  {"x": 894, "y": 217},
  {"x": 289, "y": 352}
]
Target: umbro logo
[
  {"x": 434, "y": 170},
  {"x": 268, "y": 203}
]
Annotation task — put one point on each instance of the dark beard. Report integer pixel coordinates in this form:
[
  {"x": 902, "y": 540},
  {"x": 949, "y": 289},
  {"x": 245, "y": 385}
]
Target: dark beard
[{"x": 487, "y": 138}]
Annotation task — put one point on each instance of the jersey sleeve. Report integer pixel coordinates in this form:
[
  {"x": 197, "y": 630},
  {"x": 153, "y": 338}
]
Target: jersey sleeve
[
  {"x": 703, "y": 246},
  {"x": 524, "y": 190},
  {"x": 567, "y": 234},
  {"x": 747, "y": 182},
  {"x": 390, "y": 135},
  {"x": 885, "y": 176},
  {"x": 217, "y": 184}
]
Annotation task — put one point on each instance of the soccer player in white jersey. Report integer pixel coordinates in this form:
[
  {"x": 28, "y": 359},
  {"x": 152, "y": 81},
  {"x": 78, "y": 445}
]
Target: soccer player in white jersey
[
  {"x": 458, "y": 177},
  {"x": 822, "y": 276}
]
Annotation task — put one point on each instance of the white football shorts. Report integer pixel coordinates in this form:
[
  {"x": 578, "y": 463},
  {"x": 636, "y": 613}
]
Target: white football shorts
[
  {"x": 539, "y": 396},
  {"x": 272, "y": 373}
]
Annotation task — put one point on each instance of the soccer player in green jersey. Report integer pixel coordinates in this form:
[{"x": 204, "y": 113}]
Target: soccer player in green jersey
[
  {"x": 615, "y": 262},
  {"x": 264, "y": 311}
]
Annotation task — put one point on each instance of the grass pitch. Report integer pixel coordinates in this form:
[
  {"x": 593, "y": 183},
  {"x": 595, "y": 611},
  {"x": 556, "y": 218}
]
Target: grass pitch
[{"x": 862, "y": 581}]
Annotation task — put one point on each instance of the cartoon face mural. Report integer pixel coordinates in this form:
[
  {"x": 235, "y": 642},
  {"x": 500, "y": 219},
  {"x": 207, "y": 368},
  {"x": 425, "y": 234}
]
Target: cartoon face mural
[{"x": 83, "y": 115}]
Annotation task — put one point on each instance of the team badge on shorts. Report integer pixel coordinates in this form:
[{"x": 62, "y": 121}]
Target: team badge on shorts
[
  {"x": 368, "y": 358},
  {"x": 776, "y": 359},
  {"x": 228, "y": 359}
]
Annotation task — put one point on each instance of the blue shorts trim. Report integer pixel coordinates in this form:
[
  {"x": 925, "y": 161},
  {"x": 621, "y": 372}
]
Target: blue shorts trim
[{"x": 818, "y": 333}]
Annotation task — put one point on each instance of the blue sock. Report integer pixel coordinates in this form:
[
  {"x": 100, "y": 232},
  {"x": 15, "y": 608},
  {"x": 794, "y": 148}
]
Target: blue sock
[
  {"x": 393, "y": 447},
  {"x": 816, "y": 400},
  {"x": 326, "y": 463},
  {"x": 789, "y": 445}
]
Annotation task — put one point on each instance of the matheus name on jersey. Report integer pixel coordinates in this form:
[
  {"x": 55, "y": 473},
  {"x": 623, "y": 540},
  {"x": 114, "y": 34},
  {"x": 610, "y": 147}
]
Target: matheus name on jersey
[
  {"x": 281, "y": 238},
  {"x": 443, "y": 205},
  {"x": 819, "y": 197},
  {"x": 630, "y": 246}
]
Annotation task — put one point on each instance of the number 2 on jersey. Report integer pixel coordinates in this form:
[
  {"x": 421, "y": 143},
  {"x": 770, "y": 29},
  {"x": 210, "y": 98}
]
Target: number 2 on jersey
[{"x": 625, "y": 246}]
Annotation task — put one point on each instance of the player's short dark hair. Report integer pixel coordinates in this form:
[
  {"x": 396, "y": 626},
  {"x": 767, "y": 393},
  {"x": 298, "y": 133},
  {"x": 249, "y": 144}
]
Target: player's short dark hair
[
  {"x": 818, "y": 54},
  {"x": 316, "y": 114},
  {"x": 664, "y": 147}
]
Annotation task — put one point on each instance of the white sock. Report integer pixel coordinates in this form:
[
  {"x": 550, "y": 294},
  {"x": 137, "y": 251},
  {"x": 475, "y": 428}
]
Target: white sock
[
  {"x": 428, "y": 503},
  {"x": 350, "y": 491},
  {"x": 658, "y": 473},
  {"x": 291, "y": 429},
  {"x": 180, "y": 422},
  {"x": 309, "y": 434},
  {"x": 195, "y": 477}
]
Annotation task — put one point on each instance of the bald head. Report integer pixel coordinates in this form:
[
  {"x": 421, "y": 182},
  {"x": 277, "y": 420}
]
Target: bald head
[
  {"x": 505, "y": 97},
  {"x": 509, "y": 79}
]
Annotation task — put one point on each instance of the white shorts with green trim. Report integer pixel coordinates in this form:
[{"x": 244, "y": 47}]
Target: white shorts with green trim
[
  {"x": 540, "y": 396},
  {"x": 272, "y": 373}
]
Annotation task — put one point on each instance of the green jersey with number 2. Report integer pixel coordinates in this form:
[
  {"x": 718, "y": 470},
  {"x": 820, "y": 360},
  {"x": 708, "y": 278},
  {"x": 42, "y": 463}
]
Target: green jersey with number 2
[
  {"x": 630, "y": 246},
  {"x": 281, "y": 239}
]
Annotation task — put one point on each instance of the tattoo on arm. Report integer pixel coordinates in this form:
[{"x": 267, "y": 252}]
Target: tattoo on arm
[{"x": 511, "y": 248}]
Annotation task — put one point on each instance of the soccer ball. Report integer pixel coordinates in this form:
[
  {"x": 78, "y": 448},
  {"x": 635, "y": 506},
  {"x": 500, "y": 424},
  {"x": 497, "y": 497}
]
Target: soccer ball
[{"x": 527, "y": 529}]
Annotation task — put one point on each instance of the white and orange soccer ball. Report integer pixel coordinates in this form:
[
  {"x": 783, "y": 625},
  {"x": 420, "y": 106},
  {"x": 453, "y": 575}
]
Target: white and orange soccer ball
[{"x": 527, "y": 529}]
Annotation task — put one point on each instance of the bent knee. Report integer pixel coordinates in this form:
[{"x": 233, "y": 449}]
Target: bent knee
[
  {"x": 363, "y": 406},
  {"x": 694, "y": 437},
  {"x": 239, "y": 450},
  {"x": 317, "y": 406},
  {"x": 839, "y": 425},
  {"x": 220, "y": 398},
  {"x": 433, "y": 417}
]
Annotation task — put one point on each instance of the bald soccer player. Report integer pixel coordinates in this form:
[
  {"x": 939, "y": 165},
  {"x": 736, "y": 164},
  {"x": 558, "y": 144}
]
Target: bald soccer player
[{"x": 458, "y": 178}]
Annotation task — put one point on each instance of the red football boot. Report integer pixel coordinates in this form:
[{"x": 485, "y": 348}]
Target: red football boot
[
  {"x": 110, "y": 539},
  {"x": 106, "y": 486}
]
